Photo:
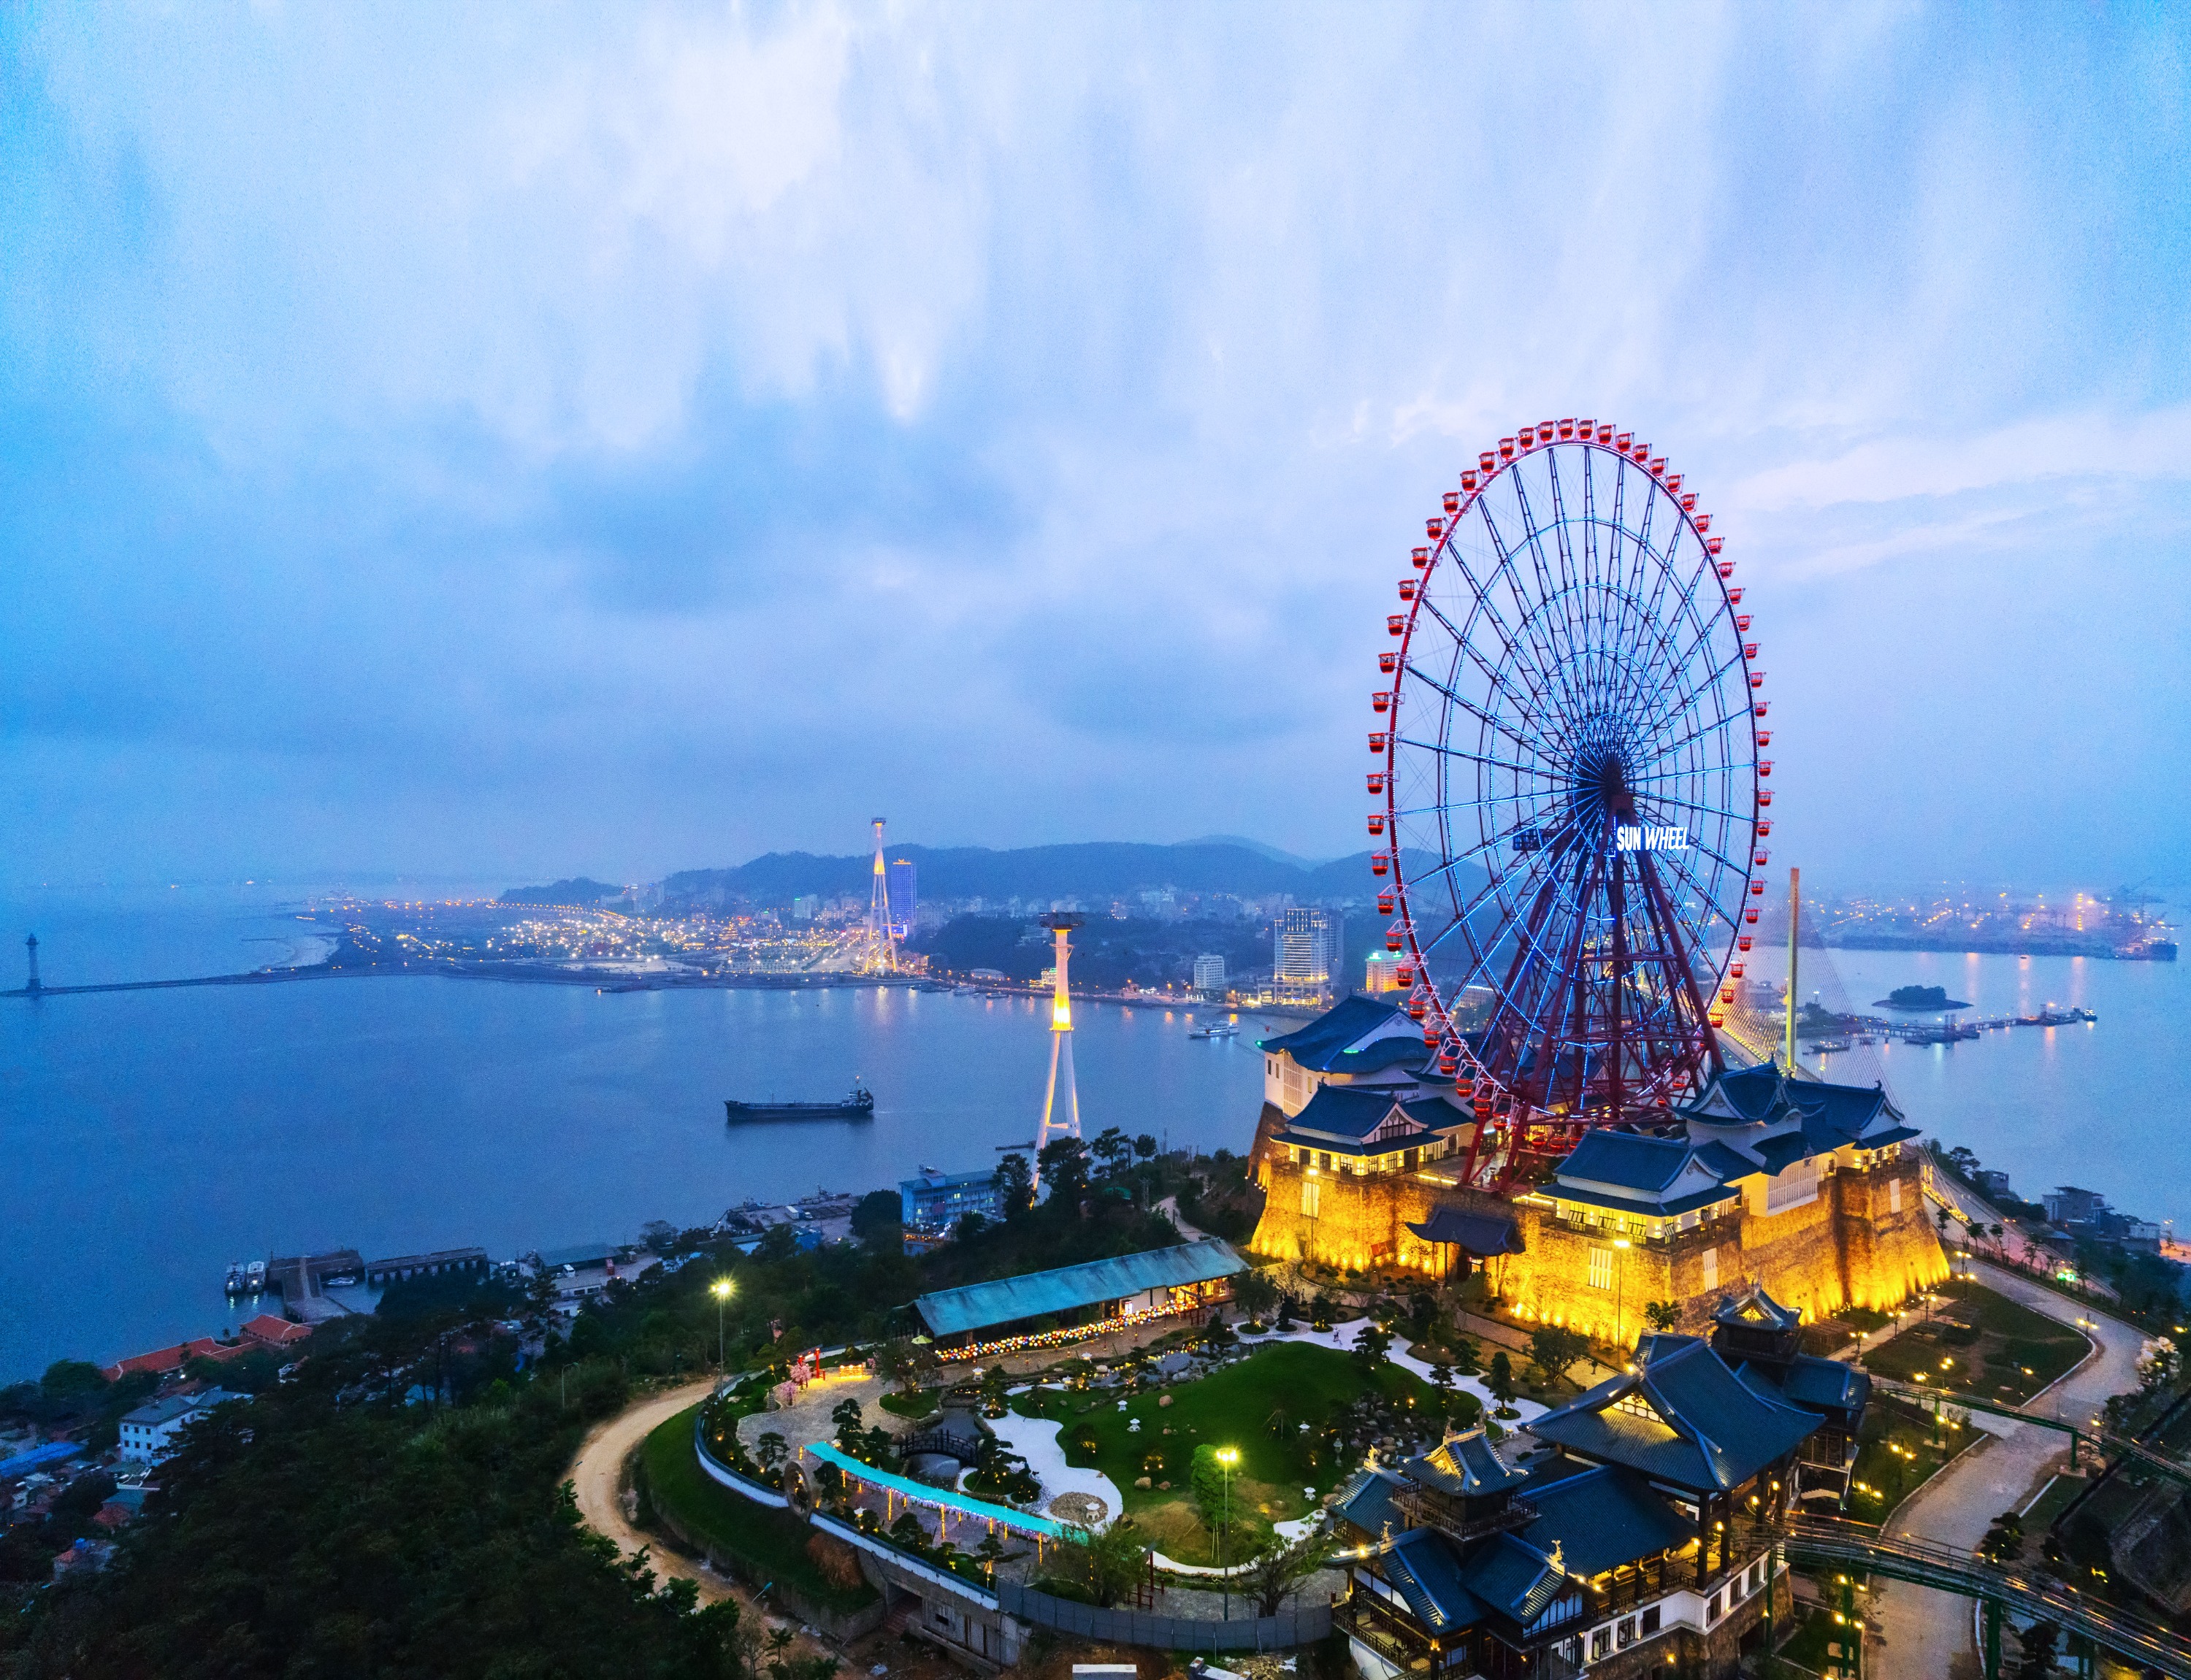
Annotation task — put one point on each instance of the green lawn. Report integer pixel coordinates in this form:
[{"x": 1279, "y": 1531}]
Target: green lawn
[
  {"x": 1257, "y": 1405},
  {"x": 917, "y": 1405},
  {"x": 1981, "y": 1343},
  {"x": 771, "y": 1543},
  {"x": 1896, "y": 1453}
]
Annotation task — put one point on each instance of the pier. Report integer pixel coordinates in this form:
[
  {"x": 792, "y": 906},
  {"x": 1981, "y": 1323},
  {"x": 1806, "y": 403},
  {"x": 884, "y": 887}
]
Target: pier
[
  {"x": 444, "y": 1261},
  {"x": 302, "y": 1280}
]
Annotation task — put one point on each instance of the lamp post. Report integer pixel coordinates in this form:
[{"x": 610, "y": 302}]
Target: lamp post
[
  {"x": 720, "y": 1289},
  {"x": 1226, "y": 1458}
]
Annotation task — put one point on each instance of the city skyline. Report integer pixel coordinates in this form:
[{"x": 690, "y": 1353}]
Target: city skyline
[{"x": 637, "y": 443}]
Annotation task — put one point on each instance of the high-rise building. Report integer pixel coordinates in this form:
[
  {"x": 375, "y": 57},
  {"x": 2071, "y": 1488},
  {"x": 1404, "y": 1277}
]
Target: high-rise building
[
  {"x": 1209, "y": 975},
  {"x": 904, "y": 898},
  {"x": 1305, "y": 953},
  {"x": 1381, "y": 972}
]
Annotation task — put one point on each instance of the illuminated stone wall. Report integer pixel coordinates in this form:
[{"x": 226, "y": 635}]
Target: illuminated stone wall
[
  {"x": 1865, "y": 1239},
  {"x": 1360, "y": 1221}
]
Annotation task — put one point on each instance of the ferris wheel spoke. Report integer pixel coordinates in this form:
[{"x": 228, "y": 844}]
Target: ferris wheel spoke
[
  {"x": 1489, "y": 720},
  {"x": 1547, "y": 657},
  {"x": 1492, "y": 674}
]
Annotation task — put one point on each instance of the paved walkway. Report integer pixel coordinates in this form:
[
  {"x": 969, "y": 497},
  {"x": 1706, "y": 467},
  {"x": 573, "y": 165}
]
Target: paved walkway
[{"x": 1921, "y": 1631}]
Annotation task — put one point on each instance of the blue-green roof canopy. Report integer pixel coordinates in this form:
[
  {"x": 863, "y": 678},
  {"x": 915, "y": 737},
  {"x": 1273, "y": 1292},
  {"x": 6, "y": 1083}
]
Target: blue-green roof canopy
[{"x": 983, "y": 1306}]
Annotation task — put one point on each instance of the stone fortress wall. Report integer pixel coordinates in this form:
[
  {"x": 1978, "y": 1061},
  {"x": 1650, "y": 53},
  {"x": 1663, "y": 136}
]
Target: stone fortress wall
[{"x": 1866, "y": 1239}]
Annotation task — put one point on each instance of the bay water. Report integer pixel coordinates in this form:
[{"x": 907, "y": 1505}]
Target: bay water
[{"x": 149, "y": 1138}]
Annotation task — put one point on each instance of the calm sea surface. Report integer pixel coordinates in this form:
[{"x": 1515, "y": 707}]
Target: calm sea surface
[{"x": 147, "y": 1139}]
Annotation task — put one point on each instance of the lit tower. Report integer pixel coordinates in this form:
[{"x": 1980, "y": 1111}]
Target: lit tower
[
  {"x": 882, "y": 949},
  {"x": 31, "y": 945},
  {"x": 1058, "y": 1123}
]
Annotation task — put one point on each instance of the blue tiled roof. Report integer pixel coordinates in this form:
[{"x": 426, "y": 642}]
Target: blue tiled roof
[
  {"x": 1353, "y": 1147},
  {"x": 1366, "y": 1501},
  {"x": 1421, "y": 1565},
  {"x": 1728, "y": 1165},
  {"x": 1480, "y": 1234},
  {"x": 1813, "y": 1382},
  {"x": 1710, "y": 1430},
  {"x": 1466, "y": 1465},
  {"x": 1339, "y": 1111},
  {"x": 979, "y": 1306},
  {"x": 1627, "y": 1159},
  {"x": 1330, "y": 1032},
  {"x": 1603, "y": 1517},
  {"x": 1513, "y": 1577},
  {"x": 1649, "y": 1209},
  {"x": 1754, "y": 1307}
]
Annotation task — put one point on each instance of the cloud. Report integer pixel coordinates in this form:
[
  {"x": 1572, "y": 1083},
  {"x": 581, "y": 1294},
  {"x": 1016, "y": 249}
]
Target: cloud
[{"x": 463, "y": 434}]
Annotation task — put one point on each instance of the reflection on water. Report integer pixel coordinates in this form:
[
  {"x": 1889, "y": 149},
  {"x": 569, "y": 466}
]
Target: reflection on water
[{"x": 2103, "y": 1105}]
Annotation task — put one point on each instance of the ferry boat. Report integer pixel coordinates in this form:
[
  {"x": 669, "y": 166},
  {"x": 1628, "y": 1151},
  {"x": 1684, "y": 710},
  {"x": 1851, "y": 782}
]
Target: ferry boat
[
  {"x": 1222, "y": 1030},
  {"x": 237, "y": 1284},
  {"x": 858, "y": 1103}
]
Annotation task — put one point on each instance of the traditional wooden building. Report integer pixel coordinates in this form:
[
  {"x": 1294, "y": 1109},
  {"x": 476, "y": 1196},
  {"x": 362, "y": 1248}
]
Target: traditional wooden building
[{"x": 1637, "y": 1534}]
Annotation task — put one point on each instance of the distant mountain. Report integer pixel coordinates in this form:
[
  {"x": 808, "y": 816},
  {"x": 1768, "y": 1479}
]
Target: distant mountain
[
  {"x": 579, "y": 891},
  {"x": 1257, "y": 846},
  {"x": 1097, "y": 870}
]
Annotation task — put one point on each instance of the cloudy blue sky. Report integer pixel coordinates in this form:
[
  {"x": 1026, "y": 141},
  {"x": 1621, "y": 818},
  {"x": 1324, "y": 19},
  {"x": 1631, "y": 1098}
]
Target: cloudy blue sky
[{"x": 621, "y": 439}]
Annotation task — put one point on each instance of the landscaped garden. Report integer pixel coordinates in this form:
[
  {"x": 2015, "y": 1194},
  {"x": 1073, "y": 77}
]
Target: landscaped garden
[
  {"x": 1981, "y": 1343},
  {"x": 1298, "y": 1416}
]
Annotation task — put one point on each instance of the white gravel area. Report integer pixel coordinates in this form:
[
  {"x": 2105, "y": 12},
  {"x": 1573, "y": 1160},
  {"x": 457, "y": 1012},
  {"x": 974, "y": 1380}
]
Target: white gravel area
[{"x": 1035, "y": 1440}]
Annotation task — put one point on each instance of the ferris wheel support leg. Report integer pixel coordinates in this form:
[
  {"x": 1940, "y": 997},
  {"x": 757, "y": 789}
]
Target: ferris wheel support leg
[{"x": 1669, "y": 929}]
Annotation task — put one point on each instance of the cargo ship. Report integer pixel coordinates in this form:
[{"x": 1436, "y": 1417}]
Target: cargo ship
[{"x": 858, "y": 1103}]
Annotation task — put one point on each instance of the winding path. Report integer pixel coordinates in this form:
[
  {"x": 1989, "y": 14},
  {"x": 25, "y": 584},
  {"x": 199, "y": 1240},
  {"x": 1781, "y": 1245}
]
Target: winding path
[
  {"x": 598, "y": 1471},
  {"x": 1923, "y": 1632}
]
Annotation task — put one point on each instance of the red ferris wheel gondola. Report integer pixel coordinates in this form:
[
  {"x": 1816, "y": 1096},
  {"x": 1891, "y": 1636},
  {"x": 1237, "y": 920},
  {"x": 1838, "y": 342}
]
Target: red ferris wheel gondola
[{"x": 1570, "y": 788}]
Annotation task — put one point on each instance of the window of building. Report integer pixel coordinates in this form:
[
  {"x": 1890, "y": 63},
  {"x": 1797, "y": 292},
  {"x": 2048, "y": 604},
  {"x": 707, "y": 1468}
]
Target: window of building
[
  {"x": 1323, "y": 1160},
  {"x": 1756, "y": 1570},
  {"x": 1626, "y": 1634},
  {"x": 1601, "y": 1269},
  {"x": 1650, "y": 1622},
  {"x": 1601, "y": 1643},
  {"x": 1894, "y": 1195},
  {"x": 1311, "y": 1198},
  {"x": 1711, "y": 1608},
  {"x": 1711, "y": 1268}
]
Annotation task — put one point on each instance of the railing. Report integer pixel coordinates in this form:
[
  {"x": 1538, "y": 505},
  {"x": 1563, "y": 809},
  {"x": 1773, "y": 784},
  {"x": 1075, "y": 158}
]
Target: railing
[
  {"x": 1835, "y": 1543},
  {"x": 731, "y": 1478},
  {"x": 1291, "y": 1628}
]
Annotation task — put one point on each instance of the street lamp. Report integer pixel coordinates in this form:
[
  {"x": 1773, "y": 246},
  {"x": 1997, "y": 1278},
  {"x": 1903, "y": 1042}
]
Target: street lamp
[
  {"x": 720, "y": 1289},
  {"x": 1226, "y": 1458}
]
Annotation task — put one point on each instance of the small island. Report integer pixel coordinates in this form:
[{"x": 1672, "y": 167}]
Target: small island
[{"x": 1919, "y": 998}]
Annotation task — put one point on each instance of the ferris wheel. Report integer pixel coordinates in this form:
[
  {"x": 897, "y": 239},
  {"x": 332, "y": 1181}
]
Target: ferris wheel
[{"x": 1574, "y": 808}]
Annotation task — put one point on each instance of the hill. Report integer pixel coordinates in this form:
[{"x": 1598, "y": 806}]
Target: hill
[
  {"x": 1097, "y": 870},
  {"x": 579, "y": 890}
]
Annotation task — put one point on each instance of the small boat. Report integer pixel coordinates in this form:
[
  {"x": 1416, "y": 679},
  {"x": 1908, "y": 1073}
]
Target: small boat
[
  {"x": 1221, "y": 1030},
  {"x": 236, "y": 1277},
  {"x": 858, "y": 1103}
]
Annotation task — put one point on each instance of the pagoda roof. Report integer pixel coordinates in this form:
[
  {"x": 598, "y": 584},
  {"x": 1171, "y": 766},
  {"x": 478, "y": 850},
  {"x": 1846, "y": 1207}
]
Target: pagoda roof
[
  {"x": 1479, "y": 1234},
  {"x": 1347, "y": 1114},
  {"x": 1355, "y": 1035},
  {"x": 1681, "y": 1415},
  {"x": 1602, "y": 1516},
  {"x": 1422, "y": 1565},
  {"x": 1755, "y": 1309},
  {"x": 1466, "y": 1465}
]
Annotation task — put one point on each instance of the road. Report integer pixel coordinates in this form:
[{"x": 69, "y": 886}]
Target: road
[
  {"x": 1919, "y": 1631},
  {"x": 598, "y": 1474}
]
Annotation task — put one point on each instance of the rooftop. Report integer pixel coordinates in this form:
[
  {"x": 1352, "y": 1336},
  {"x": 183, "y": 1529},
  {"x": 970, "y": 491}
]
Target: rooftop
[{"x": 979, "y": 1306}]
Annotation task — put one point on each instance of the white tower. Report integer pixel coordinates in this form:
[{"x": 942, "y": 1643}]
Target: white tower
[
  {"x": 1059, "y": 1121},
  {"x": 882, "y": 941}
]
